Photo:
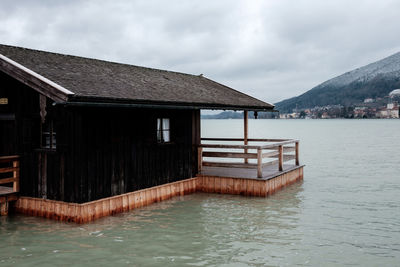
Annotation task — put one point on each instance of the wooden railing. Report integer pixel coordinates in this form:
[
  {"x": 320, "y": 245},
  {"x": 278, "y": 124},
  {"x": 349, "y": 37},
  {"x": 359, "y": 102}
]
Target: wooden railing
[
  {"x": 267, "y": 152},
  {"x": 9, "y": 167}
]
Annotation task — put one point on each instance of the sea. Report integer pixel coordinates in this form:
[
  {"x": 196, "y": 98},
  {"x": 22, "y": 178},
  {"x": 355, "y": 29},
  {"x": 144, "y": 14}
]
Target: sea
[{"x": 346, "y": 212}]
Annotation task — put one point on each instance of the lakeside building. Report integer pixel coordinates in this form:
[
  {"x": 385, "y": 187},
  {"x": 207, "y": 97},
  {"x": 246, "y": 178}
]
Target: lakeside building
[
  {"x": 383, "y": 108},
  {"x": 86, "y": 138},
  {"x": 390, "y": 112}
]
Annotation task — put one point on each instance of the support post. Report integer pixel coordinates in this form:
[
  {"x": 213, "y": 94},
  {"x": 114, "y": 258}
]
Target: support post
[
  {"x": 280, "y": 158},
  {"x": 259, "y": 163},
  {"x": 297, "y": 154},
  {"x": 199, "y": 159},
  {"x": 245, "y": 134},
  {"x": 16, "y": 176}
]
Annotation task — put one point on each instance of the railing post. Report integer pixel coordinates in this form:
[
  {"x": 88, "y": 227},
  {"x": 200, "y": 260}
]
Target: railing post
[
  {"x": 246, "y": 132},
  {"x": 16, "y": 176},
  {"x": 297, "y": 154},
  {"x": 199, "y": 159},
  {"x": 280, "y": 158},
  {"x": 259, "y": 163}
]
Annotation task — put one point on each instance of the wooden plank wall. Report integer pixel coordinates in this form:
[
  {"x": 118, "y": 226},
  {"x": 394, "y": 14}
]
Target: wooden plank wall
[
  {"x": 90, "y": 211},
  {"x": 248, "y": 187},
  {"x": 114, "y": 151},
  {"x": 101, "y": 152}
]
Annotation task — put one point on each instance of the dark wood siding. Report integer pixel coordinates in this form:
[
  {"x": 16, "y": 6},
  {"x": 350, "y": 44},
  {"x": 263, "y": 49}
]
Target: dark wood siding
[
  {"x": 100, "y": 152},
  {"x": 19, "y": 129}
]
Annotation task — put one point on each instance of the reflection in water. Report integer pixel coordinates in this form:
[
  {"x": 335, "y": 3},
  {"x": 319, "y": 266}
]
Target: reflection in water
[
  {"x": 199, "y": 229},
  {"x": 244, "y": 230},
  {"x": 345, "y": 212}
]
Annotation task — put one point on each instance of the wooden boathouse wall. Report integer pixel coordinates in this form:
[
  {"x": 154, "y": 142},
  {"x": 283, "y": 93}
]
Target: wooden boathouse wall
[{"x": 100, "y": 152}]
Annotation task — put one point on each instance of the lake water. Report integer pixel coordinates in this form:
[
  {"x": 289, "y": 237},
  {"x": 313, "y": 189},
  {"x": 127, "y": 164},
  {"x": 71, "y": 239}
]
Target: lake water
[{"x": 345, "y": 212}]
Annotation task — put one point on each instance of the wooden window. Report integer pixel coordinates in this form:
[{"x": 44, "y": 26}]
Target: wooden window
[
  {"x": 3, "y": 101},
  {"x": 163, "y": 130},
  {"x": 49, "y": 135}
]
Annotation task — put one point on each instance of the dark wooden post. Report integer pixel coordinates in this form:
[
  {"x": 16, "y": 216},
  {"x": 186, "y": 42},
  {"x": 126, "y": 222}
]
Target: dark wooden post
[
  {"x": 16, "y": 176},
  {"x": 200, "y": 158},
  {"x": 280, "y": 158},
  {"x": 245, "y": 128},
  {"x": 297, "y": 154},
  {"x": 259, "y": 162}
]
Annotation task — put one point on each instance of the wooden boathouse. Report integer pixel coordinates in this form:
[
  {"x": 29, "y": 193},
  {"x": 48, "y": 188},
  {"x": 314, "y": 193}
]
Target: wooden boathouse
[{"x": 84, "y": 138}]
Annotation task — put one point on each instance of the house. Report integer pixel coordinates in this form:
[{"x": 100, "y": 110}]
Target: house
[
  {"x": 390, "y": 112},
  {"x": 86, "y": 129}
]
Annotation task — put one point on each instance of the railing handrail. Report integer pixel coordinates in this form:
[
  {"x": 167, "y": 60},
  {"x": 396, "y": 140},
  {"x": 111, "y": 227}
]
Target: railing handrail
[
  {"x": 8, "y": 158},
  {"x": 242, "y": 139},
  {"x": 276, "y": 144},
  {"x": 14, "y": 169}
]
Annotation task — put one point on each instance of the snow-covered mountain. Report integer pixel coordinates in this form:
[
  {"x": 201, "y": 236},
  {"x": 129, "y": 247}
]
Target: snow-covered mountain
[{"x": 373, "y": 80}]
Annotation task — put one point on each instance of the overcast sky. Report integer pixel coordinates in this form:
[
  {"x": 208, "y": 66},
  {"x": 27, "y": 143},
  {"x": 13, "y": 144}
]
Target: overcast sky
[{"x": 272, "y": 49}]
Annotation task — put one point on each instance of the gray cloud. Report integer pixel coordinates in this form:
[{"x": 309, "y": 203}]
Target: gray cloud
[{"x": 270, "y": 49}]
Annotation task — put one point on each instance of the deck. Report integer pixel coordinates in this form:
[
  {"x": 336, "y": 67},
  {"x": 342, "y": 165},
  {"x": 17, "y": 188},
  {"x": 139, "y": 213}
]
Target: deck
[
  {"x": 262, "y": 159},
  {"x": 259, "y": 169}
]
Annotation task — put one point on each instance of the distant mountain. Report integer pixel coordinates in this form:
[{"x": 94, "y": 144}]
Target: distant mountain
[
  {"x": 224, "y": 115},
  {"x": 371, "y": 81},
  {"x": 239, "y": 115}
]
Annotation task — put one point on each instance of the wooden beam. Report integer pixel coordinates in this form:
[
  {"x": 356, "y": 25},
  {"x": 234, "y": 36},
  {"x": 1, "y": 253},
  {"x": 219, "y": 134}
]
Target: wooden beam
[
  {"x": 230, "y": 164},
  {"x": 7, "y": 180},
  {"x": 199, "y": 158},
  {"x": 272, "y": 154},
  {"x": 245, "y": 131},
  {"x": 228, "y": 146},
  {"x": 297, "y": 154},
  {"x": 8, "y": 158},
  {"x": 280, "y": 158},
  {"x": 259, "y": 163},
  {"x": 242, "y": 139},
  {"x": 8, "y": 169},
  {"x": 229, "y": 155},
  {"x": 16, "y": 176},
  {"x": 289, "y": 149},
  {"x": 270, "y": 163}
]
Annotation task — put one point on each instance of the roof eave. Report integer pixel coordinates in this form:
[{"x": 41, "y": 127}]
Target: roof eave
[
  {"x": 34, "y": 80},
  {"x": 109, "y": 102}
]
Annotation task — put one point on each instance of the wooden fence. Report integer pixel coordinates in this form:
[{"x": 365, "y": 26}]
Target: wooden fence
[
  {"x": 267, "y": 152},
  {"x": 9, "y": 171}
]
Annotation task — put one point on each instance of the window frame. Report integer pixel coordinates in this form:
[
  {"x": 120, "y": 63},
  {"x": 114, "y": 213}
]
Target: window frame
[
  {"x": 51, "y": 134},
  {"x": 160, "y": 131}
]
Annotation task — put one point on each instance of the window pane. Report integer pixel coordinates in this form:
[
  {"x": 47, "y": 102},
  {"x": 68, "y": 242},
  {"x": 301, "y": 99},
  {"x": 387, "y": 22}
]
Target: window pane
[
  {"x": 54, "y": 141},
  {"x": 165, "y": 124},
  {"x": 158, "y": 124},
  {"x": 47, "y": 141},
  {"x": 159, "y": 136},
  {"x": 166, "y": 136}
]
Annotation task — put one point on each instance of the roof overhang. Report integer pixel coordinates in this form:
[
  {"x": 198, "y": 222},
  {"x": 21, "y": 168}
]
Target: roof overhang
[
  {"x": 63, "y": 96},
  {"x": 34, "y": 80},
  {"x": 77, "y": 101}
]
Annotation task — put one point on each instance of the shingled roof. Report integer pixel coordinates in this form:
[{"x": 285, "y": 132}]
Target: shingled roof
[{"x": 71, "y": 80}]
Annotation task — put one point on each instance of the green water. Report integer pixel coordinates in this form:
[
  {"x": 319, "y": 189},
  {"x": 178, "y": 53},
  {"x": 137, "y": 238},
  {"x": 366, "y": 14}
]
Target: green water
[{"x": 345, "y": 212}]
